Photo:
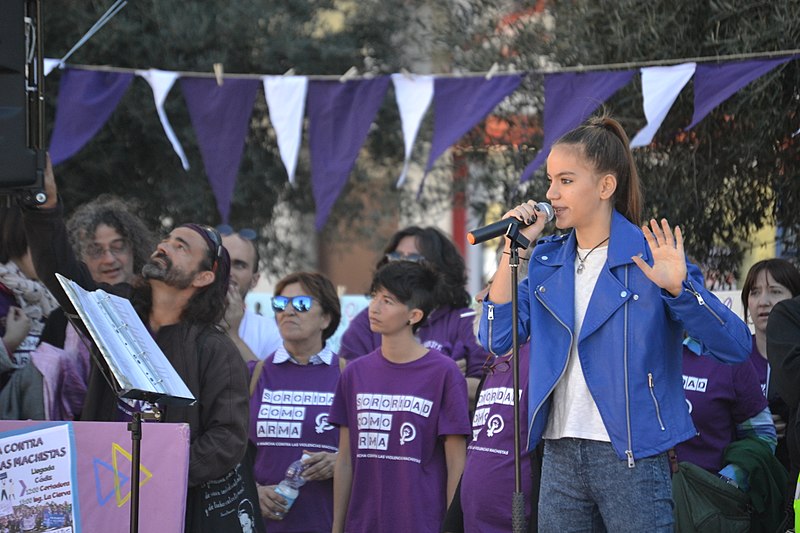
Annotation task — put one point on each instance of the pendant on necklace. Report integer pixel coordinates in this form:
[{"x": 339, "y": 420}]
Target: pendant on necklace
[{"x": 580, "y": 268}]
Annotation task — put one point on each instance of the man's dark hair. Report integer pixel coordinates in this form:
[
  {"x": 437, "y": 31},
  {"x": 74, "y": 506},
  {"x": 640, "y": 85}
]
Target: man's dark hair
[
  {"x": 321, "y": 289},
  {"x": 442, "y": 255},
  {"x": 114, "y": 213},
  {"x": 411, "y": 283},
  {"x": 13, "y": 242}
]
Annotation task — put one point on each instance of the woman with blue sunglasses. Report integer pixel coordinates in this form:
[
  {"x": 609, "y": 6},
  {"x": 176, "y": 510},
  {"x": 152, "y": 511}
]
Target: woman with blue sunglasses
[{"x": 290, "y": 396}]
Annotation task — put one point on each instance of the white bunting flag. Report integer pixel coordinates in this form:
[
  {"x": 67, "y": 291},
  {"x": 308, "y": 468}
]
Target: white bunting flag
[
  {"x": 414, "y": 96},
  {"x": 286, "y": 100},
  {"x": 161, "y": 81},
  {"x": 50, "y": 64},
  {"x": 660, "y": 88}
]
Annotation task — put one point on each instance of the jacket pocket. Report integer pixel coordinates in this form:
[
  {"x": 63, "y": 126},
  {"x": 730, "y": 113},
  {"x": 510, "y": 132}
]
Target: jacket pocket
[{"x": 652, "y": 386}]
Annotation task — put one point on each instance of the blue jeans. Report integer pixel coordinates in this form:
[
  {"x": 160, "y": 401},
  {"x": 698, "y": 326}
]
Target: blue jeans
[{"x": 587, "y": 488}]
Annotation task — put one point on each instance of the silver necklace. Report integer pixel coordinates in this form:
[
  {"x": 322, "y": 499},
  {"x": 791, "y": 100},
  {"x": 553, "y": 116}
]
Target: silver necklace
[{"x": 583, "y": 259}]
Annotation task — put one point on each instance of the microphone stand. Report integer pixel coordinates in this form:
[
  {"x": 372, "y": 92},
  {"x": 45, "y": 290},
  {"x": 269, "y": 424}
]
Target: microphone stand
[{"x": 517, "y": 241}]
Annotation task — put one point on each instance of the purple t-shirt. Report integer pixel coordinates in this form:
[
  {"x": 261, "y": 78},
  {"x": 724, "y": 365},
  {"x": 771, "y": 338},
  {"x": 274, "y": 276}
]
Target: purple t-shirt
[
  {"x": 447, "y": 330},
  {"x": 719, "y": 396},
  {"x": 288, "y": 414},
  {"x": 487, "y": 485},
  {"x": 396, "y": 415}
]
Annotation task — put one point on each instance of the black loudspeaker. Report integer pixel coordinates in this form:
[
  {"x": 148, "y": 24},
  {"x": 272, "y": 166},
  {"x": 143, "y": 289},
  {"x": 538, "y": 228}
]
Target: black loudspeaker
[{"x": 22, "y": 154}]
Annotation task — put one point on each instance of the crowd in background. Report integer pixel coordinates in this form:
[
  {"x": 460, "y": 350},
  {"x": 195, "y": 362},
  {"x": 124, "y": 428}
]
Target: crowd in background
[{"x": 631, "y": 370}]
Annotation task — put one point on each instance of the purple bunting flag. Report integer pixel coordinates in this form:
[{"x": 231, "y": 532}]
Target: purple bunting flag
[
  {"x": 86, "y": 99},
  {"x": 339, "y": 116},
  {"x": 569, "y": 99},
  {"x": 220, "y": 115},
  {"x": 460, "y": 103},
  {"x": 715, "y": 83}
]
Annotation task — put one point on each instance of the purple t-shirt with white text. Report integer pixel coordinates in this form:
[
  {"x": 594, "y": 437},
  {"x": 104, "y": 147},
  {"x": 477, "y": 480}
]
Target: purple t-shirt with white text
[
  {"x": 289, "y": 411},
  {"x": 447, "y": 330},
  {"x": 719, "y": 396},
  {"x": 396, "y": 416},
  {"x": 489, "y": 469}
]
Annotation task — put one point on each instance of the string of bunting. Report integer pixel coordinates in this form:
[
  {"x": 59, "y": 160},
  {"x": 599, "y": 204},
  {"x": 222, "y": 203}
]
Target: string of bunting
[{"x": 340, "y": 109}]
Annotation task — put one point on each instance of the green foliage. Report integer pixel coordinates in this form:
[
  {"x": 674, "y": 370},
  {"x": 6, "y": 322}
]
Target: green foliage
[
  {"x": 132, "y": 157},
  {"x": 734, "y": 172}
]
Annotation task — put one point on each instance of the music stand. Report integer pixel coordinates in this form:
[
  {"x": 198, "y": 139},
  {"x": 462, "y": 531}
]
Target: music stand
[{"x": 141, "y": 370}]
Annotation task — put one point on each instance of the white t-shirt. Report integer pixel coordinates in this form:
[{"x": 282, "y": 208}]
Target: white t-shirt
[
  {"x": 573, "y": 412},
  {"x": 260, "y": 333}
]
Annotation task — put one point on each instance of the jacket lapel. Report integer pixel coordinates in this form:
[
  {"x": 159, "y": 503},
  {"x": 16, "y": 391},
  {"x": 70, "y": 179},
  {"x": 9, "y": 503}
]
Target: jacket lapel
[{"x": 611, "y": 292}]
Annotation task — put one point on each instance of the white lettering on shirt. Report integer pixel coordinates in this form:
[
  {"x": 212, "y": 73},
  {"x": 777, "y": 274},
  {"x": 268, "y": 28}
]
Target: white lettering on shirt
[{"x": 694, "y": 383}]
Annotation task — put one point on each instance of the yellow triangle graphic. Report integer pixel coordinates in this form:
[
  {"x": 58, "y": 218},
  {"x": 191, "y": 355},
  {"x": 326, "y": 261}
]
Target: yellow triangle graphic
[{"x": 144, "y": 473}]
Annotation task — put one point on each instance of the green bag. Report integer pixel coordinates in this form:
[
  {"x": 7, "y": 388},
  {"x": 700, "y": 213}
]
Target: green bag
[{"x": 704, "y": 503}]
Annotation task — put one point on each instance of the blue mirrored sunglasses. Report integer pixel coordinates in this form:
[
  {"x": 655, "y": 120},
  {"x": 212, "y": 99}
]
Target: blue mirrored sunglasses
[
  {"x": 301, "y": 304},
  {"x": 248, "y": 234}
]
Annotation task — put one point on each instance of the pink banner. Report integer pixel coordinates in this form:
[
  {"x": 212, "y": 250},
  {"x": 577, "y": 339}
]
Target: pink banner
[{"x": 103, "y": 467}]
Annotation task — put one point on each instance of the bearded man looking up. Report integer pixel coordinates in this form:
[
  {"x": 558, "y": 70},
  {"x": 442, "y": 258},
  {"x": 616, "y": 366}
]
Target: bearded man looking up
[{"x": 180, "y": 297}]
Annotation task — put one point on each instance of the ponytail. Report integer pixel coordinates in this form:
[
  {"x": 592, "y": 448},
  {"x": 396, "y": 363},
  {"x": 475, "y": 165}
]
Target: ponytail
[{"x": 606, "y": 145}]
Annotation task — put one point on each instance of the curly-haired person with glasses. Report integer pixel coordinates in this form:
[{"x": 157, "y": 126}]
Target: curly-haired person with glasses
[{"x": 180, "y": 296}]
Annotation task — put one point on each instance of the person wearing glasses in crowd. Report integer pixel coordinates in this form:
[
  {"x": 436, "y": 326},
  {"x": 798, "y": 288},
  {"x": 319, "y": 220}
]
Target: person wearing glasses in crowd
[
  {"x": 180, "y": 296},
  {"x": 299, "y": 377},
  {"x": 113, "y": 243},
  {"x": 449, "y": 328},
  {"x": 256, "y": 336},
  {"x": 402, "y": 414}
]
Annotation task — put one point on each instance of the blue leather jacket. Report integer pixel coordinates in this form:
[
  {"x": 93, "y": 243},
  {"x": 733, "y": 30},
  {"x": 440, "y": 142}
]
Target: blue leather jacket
[{"x": 630, "y": 343}]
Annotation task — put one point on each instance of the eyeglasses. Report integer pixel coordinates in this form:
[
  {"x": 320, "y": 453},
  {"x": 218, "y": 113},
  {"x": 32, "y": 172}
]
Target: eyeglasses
[
  {"x": 117, "y": 247},
  {"x": 301, "y": 304},
  {"x": 497, "y": 364},
  {"x": 248, "y": 234},
  {"x": 398, "y": 256},
  {"x": 215, "y": 238}
]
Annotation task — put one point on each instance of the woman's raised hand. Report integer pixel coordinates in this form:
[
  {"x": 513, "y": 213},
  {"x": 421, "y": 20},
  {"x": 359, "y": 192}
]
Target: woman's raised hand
[{"x": 669, "y": 260}]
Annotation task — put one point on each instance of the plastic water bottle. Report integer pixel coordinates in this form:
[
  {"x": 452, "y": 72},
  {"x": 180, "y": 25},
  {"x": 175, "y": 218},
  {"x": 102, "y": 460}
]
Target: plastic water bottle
[{"x": 289, "y": 488}]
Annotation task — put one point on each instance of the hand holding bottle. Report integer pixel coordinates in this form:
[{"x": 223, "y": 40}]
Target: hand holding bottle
[{"x": 289, "y": 488}]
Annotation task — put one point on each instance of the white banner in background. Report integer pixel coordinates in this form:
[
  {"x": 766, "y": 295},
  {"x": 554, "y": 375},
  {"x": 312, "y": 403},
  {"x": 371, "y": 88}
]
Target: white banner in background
[
  {"x": 660, "y": 88},
  {"x": 414, "y": 96},
  {"x": 286, "y": 100}
]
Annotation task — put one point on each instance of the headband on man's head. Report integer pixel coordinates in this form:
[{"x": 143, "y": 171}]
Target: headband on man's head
[{"x": 222, "y": 260}]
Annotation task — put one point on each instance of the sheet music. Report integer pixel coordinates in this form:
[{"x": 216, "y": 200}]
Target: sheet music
[{"x": 141, "y": 369}]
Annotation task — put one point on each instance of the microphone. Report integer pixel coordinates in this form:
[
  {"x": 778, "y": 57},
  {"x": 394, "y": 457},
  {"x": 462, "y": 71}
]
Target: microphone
[{"x": 496, "y": 229}]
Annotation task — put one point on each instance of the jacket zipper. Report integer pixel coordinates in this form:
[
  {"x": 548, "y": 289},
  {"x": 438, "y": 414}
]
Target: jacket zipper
[
  {"x": 490, "y": 318},
  {"x": 629, "y": 451},
  {"x": 651, "y": 385},
  {"x": 702, "y": 302},
  {"x": 563, "y": 370}
]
